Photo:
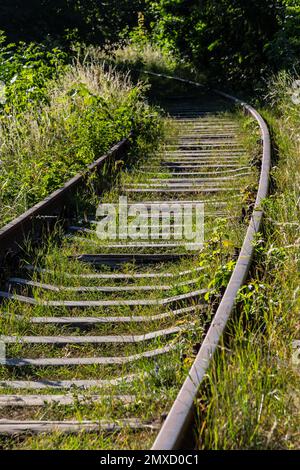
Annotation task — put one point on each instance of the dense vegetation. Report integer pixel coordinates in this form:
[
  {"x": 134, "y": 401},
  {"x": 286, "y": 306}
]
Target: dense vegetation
[
  {"x": 65, "y": 21},
  {"x": 231, "y": 39}
]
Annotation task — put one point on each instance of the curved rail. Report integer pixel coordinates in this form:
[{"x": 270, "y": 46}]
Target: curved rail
[{"x": 174, "y": 429}]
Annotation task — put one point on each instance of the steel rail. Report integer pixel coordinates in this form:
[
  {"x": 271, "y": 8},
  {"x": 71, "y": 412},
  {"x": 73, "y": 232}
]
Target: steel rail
[{"x": 180, "y": 418}]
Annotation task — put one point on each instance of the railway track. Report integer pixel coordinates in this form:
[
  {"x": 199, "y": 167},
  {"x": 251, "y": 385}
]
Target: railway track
[{"x": 99, "y": 335}]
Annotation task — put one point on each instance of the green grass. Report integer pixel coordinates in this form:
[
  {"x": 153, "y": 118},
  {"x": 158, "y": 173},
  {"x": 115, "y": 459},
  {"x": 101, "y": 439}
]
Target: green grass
[
  {"x": 85, "y": 111},
  {"x": 250, "y": 398}
]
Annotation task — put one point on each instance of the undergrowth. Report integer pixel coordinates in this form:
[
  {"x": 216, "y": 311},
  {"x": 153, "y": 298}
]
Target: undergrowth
[{"x": 251, "y": 396}]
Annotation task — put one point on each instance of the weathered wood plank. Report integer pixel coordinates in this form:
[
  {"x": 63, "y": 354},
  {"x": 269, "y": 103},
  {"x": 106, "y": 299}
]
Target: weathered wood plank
[
  {"x": 192, "y": 202},
  {"x": 115, "y": 259},
  {"x": 140, "y": 244},
  {"x": 218, "y": 172},
  {"x": 203, "y": 134},
  {"x": 117, "y": 288},
  {"x": 119, "y": 339},
  {"x": 116, "y": 276},
  {"x": 206, "y": 144},
  {"x": 101, "y": 303},
  {"x": 191, "y": 160},
  {"x": 199, "y": 180},
  {"x": 165, "y": 184},
  {"x": 204, "y": 154},
  {"x": 127, "y": 319},
  {"x": 180, "y": 190},
  {"x": 184, "y": 166}
]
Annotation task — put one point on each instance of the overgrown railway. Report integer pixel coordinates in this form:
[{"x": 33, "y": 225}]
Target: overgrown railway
[{"x": 100, "y": 335}]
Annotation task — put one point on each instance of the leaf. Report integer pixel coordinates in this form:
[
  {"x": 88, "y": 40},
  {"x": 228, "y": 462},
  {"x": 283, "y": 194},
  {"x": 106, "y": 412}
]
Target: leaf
[
  {"x": 213, "y": 45},
  {"x": 227, "y": 243}
]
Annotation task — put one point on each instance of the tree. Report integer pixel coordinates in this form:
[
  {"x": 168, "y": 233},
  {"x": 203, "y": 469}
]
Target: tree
[{"x": 230, "y": 38}]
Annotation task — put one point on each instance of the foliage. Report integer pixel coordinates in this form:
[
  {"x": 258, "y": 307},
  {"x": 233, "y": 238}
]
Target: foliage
[
  {"x": 138, "y": 56},
  {"x": 284, "y": 50}
]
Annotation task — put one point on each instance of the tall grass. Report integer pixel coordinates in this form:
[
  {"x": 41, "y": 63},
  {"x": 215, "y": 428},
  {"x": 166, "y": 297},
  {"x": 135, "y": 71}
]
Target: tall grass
[{"x": 251, "y": 397}]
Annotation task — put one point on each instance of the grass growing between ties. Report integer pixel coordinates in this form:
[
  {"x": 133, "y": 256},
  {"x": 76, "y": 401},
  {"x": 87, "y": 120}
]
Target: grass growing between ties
[{"x": 251, "y": 396}]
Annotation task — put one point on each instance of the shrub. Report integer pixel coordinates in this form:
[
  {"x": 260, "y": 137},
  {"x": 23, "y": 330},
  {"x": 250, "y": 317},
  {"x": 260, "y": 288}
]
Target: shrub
[{"x": 84, "y": 112}]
